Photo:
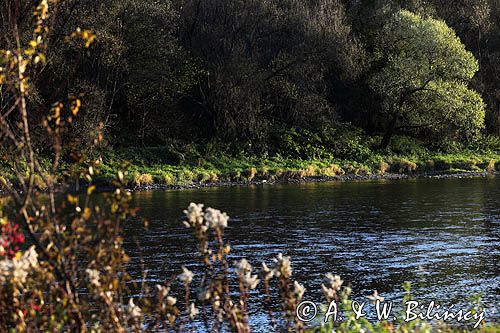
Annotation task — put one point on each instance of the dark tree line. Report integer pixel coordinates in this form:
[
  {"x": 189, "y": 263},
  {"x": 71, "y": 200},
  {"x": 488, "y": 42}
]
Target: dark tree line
[{"x": 246, "y": 71}]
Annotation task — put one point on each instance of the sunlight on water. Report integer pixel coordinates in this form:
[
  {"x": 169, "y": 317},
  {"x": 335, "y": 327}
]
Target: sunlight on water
[{"x": 442, "y": 235}]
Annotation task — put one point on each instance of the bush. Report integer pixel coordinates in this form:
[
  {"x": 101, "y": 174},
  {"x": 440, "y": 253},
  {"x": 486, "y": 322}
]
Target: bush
[
  {"x": 406, "y": 146},
  {"x": 187, "y": 176},
  {"x": 332, "y": 171},
  {"x": 430, "y": 165},
  {"x": 488, "y": 143},
  {"x": 279, "y": 173},
  {"x": 311, "y": 171},
  {"x": 235, "y": 175},
  {"x": 344, "y": 142},
  {"x": 362, "y": 170},
  {"x": 249, "y": 174},
  {"x": 301, "y": 143},
  {"x": 213, "y": 177},
  {"x": 348, "y": 142},
  {"x": 168, "y": 179},
  {"x": 383, "y": 167},
  {"x": 264, "y": 172},
  {"x": 39, "y": 182},
  {"x": 3, "y": 183},
  {"x": 143, "y": 179},
  {"x": 403, "y": 166}
]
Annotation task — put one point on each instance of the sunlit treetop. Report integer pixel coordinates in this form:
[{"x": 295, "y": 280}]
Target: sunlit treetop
[{"x": 424, "y": 76}]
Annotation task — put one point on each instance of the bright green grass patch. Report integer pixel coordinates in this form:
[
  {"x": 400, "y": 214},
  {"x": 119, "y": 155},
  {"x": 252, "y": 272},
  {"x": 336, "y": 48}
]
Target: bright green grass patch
[
  {"x": 147, "y": 166},
  {"x": 245, "y": 168}
]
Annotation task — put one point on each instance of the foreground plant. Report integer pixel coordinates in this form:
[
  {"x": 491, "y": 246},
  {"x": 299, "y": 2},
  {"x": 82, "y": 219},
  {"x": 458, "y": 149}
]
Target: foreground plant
[{"x": 70, "y": 273}]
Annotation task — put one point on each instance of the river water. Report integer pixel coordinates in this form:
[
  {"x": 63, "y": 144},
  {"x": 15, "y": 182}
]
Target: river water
[{"x": 442, "y": 235}]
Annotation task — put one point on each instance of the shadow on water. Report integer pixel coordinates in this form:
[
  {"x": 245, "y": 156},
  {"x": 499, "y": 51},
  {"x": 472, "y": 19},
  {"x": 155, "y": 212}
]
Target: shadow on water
[{"x": 442, "y": 235}]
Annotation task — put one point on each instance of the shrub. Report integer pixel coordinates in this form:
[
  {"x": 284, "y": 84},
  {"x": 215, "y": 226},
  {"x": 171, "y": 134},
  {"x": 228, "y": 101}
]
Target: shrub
[
  {"x": 383, "y": 167},
  {"x": 208, "y": 177},
  {"x": 343, "y": 141},
  {"x": 235, "y": 175},
  {"x": 39, "y": 182},
  {"x": 293, "y": 174},
  {"x": 404, "y": 166},
  {"x": 406, "y": 146},
  {"x": 3, "y": 183},
  {"x": 203, "y": 177},
  {"x": 250, "y": 174},
  {"x": 213, "y": 177},
  {"x": 488, "y": 143},
  {"x": 311, "y": 171},
  {"x": 430, "y": 165},
  {"x": 349, "y": 168},
  {"x": 332, "y": 170},
  {"x": 337, "y": 169},
  {"x": 143, "y": 179},
  {"x": 490, "y": 168},
  {"x": 168, "y": 178},
  {"x": 362, "y": 170},
  {"x": 301, "y": 143},
  {"x": 279, "y": 173},
  {"x": 187, "y": 176},
  {"x": 264, "y": 172}
]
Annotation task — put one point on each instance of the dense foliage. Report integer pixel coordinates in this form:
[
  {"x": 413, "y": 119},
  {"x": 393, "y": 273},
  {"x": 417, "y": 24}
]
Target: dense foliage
[
  {"x": 423, "y": 80},
  {"x": 253, "y": 74}
]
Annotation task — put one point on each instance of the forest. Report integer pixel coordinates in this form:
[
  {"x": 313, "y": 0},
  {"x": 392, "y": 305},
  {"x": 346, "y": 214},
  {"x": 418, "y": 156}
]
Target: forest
[{"x": 272, "y": 77}]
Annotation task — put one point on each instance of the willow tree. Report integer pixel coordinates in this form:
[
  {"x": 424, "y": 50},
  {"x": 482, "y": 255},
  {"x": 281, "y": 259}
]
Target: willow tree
[{"x": 424, "y": 79}]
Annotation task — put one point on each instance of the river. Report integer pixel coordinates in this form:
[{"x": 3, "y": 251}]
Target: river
[{"x": 442, "y": 235}]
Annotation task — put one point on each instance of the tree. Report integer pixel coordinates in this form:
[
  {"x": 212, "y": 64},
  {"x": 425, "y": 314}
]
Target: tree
[
  {"x": 477, "y": 22},
  {"x": 423, "y": 79},
  {"x": 267, "y": 65}
]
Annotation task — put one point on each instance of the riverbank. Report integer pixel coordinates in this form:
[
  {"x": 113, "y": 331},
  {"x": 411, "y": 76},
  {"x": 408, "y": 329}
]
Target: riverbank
[
  {"x": 318, "y": 179},
  {"x": 153, "y": 168},
  {"x": 156, "y": 168}
]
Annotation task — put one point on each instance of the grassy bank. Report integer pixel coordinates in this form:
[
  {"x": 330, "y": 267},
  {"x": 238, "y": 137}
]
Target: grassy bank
[
  {"x": 199, "y": 165},
  {"x": 148, "y": 167}
]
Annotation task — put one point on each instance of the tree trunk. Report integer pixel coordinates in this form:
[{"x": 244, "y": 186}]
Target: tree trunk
[{"x": 386, "y": 140}]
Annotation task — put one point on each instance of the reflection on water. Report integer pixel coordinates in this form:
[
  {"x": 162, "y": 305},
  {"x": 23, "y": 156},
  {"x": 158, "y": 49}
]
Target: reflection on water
[{"x": 442, "y": 235}]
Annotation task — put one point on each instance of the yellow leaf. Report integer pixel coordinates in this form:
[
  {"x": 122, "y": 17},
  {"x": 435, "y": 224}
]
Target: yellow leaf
[
  {"x": 90, "y": 189},
  {"x": 86, "y": 213},
  {"x": 72, "y": 199}
]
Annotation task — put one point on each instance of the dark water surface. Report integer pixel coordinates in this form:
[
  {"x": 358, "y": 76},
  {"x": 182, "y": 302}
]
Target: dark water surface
[{"x": 443, "y": 235}]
